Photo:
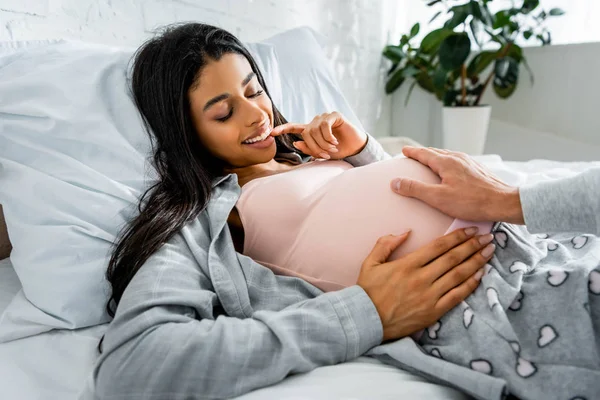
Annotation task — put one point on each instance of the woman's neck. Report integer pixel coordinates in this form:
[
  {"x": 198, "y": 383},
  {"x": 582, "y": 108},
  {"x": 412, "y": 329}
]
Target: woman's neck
[{"x": 246, "y": 174}]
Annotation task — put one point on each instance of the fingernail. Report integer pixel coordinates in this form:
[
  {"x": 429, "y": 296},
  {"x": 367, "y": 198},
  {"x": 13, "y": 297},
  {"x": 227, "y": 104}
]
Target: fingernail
[
  {"x": 403, "y": 233},
  {"x": 488, "y": 250},
  {"x": 324, "y": 155},
  {"x": 472, "y": 230},
  {"x": 485, "y": 239},
  {"x": 333, "y": 149},
  {"x": 335, "y": 141},
  {"x": 396, "y": 184},
  {"x": 478, "y": 274}
]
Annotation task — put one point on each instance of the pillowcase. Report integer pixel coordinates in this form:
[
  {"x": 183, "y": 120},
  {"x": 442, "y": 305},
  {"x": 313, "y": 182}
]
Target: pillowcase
[
  {"x": 308, "y": 82},
  {"x": 72, "y": 168},
  {"x": 72, "y": 163}
]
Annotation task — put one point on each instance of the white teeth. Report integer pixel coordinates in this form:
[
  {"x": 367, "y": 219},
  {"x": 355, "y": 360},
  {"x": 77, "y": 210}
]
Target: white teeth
[{"x": 258, "y": 138}]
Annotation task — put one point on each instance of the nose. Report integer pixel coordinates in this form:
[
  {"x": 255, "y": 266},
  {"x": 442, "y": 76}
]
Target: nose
[{"x": 255, "y": 114}]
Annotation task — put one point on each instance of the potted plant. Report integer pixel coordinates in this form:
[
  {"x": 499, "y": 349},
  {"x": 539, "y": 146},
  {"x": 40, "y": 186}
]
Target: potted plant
[{"x": 474, "y": 49}]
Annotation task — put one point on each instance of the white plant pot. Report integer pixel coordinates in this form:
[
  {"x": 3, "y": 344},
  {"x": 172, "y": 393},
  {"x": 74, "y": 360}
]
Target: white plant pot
[{"x": 465, "y": 128}]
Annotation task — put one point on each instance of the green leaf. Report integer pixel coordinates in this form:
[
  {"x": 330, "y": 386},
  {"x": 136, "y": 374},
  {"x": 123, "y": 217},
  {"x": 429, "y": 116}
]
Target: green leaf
[
  {"x": 486, "y": 15},
  {"x": 434, "y": 2},
  {"x": 414, "y": 31},
  {"x": 476, "y": 30},
  {"x": 555, "y": 12},
  {"x": 440, "y": 77},
  {"x": 395, "y": 81},
  {"x": 404, "y": 40},
  {"x": 454, "y": 51},
  {"x": 515, "y": 52},
  {"x": 496, "y": 38},
  {"x": 480, "y": 62},
  {"x": 425, "y": 82},
  {"x": 501, "y": 19},
  {"x": 506, "y": 70},
  {"x": 410, "y": 89},
  {"x": 504, "y": 92},
  {"x": 437, "y": 14},
  {"x": 450, "y": 98},
  {"x": 529, "y": 5},
  {"x": 459, "y": 15},
  {"x": 506, "y": 76},
  {"x": 392, "y": 68},
  {"x": 410, "y": 71},
  {"x": 541, "y": 16},
  {"x": 527, "y": 34},
  {"x": 431, "y": 43},
  {"x": 393, "y": 53},
  {"x": 528, "y": 68}
]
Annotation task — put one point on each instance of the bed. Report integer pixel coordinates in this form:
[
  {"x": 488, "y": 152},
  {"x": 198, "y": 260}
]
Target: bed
[{"x": 49, "y": 331}]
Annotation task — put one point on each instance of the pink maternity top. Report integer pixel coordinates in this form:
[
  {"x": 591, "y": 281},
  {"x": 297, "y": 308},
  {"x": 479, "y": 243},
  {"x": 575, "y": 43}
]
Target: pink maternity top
[{"x": 319, "y": 221}]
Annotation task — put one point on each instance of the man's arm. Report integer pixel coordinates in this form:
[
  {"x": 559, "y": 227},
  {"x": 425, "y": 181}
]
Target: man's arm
[{"x": 563, "y": 205}]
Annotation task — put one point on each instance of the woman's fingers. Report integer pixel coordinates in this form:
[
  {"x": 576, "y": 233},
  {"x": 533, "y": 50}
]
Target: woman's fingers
[
  {"x": 439, "y": 246},
  {"x": 290, "y": 127},
  {"x": 315, "y": 149},
  {"x": 459, "y": 274},
  {"x": 447, "y": 263},
  {"x": 327, "y": 132},
  {"x": 325, "y": 137},
  {"x": 455, "y": 296}
]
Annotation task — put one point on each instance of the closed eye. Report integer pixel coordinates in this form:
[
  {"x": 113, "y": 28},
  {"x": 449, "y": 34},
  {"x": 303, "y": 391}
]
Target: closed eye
[{"x": 225, "y": 118}]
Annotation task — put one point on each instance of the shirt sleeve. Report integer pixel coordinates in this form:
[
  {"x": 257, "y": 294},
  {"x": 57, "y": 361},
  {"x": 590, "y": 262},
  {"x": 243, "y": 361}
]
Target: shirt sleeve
[
  {"x": 563, "y": 205},
  {"x": 169, "y": 339},
  {"x": 372, "y": 152}
]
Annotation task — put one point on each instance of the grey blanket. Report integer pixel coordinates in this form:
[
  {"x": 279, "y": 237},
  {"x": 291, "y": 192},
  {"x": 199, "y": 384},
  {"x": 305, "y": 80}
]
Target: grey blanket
[{"x": 535, "y": 319}]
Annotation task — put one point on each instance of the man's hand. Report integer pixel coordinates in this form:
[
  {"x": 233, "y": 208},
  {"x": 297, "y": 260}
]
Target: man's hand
[{"x": 467, "y": 190}]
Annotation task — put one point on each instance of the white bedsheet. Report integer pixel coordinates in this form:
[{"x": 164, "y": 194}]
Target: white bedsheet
[{"x": 57, "y": 364}]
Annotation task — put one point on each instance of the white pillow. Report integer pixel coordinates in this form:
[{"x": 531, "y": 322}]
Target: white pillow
[
  {"x": 72, "y": 164},
  {"x": 308, "y": 82},
  {"x": 72, "y": 168}
]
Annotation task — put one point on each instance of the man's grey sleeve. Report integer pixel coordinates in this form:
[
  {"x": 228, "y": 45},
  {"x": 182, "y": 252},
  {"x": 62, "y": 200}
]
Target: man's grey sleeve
[{"x": 563, "y": 205}]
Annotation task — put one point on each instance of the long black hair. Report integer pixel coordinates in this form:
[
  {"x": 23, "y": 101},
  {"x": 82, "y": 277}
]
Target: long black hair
[{"x": 164, "y": 69}]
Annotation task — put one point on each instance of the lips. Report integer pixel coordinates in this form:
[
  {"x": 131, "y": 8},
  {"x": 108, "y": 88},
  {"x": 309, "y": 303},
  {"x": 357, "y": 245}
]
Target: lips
[{"x": 262, "y": 129}]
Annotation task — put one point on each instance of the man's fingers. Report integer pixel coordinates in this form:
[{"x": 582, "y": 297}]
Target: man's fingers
[
  {"x": 413, "y": 188},
  {"x": 425, "y": 156}
]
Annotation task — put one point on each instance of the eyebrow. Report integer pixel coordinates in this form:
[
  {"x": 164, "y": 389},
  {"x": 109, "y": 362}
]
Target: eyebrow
[{"x": 226, "y": 95}]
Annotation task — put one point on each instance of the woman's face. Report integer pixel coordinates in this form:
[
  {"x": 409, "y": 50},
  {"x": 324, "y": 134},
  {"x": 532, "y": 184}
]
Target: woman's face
[{"x": 229, "y": 106}]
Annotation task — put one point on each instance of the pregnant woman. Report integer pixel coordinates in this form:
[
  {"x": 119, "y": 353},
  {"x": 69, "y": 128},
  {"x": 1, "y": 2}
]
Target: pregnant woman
[{"x": 197, "y": 319}]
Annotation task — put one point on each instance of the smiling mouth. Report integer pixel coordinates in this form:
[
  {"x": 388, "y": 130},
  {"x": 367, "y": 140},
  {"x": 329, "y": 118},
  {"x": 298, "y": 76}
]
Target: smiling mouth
[{"x": 260, "y": 137}]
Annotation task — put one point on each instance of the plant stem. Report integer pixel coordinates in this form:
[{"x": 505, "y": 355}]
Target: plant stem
[
  {"x": 489, "y": 78},
  {"x": 463, "y": 78}
]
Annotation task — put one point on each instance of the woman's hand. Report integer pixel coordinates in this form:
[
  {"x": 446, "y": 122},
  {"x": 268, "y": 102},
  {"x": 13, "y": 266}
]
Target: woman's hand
[
  {"x": 413, "y": 292},
  {"x": 328, "y": 136},
  {"x": 467, "y": 190}
]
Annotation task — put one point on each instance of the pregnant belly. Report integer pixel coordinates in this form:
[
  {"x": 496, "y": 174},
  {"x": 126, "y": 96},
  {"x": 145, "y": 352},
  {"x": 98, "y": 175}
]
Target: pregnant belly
[{"x": 354, "y": 210}]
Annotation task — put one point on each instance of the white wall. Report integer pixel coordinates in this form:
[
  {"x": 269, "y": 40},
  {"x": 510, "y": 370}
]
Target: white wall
[
  {"x": 357, "y": 29},
  {"x": 557, "y": 118}
]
